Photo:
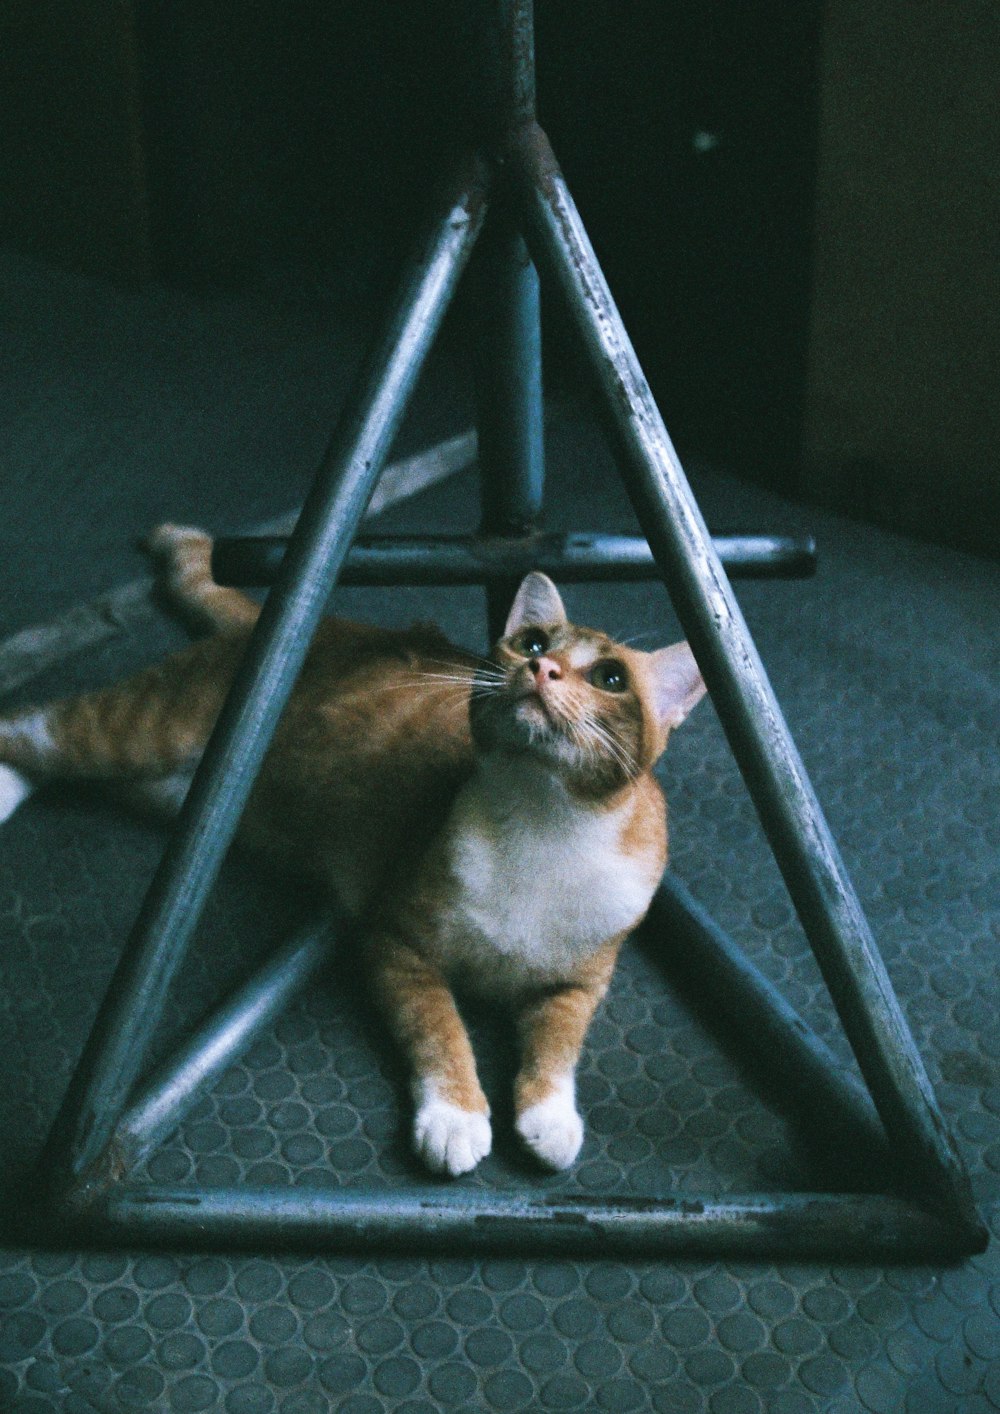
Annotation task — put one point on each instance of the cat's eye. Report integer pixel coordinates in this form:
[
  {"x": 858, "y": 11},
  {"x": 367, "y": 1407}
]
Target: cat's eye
[
  {"x": 531, "y": 642},
  {"x": 609, "y": 675}
]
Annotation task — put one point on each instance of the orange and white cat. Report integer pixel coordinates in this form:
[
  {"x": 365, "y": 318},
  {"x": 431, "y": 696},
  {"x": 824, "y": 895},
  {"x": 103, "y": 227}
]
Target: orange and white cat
[{"x": 493, "y": 823}]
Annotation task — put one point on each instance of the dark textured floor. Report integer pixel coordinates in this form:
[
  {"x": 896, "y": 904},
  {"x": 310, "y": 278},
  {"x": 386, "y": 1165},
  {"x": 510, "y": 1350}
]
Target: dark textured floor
[{"x": 118, "y": 410}]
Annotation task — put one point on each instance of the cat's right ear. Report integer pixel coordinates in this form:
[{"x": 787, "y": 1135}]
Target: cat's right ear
[
  {"x": 536, "y": 602},
  {"x": 678, "y": 686}
]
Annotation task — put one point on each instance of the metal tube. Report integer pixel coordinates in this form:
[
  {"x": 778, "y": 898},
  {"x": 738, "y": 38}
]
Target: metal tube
[
  {"x": 509, "y": 367},
  {"x": 510, "y": 416},
  {"x": 516, "y": 97},
  {"x": 797, "y": 1068},
  {"x": 509, "y": 394},
  {"x": 232, "y": 760},
  {"x": 473, "y": 559},
  {"x": 747, "y": 708},
  {"x": 160, "y": 1104},
  {"x": 786, "y": 1226}
]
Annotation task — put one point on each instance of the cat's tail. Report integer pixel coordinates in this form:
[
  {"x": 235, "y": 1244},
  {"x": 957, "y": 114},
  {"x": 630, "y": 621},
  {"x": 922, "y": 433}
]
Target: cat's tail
[{"x": 185, "y": 555}]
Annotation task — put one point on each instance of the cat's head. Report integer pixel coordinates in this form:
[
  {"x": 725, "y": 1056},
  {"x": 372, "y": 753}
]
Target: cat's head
[{"x": 598, "y": 711}]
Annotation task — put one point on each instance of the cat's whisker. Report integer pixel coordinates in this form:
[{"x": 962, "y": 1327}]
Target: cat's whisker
[
  {"x": 475, "y": 680},
  {"x": 628, "y": 761},
  {"x": 601, "y": 732},
  {"x": 460, "y": 687},
  {"x": 481, "y": 662}
]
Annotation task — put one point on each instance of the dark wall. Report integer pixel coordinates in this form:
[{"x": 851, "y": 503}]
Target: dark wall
[
  {"x": 687, "y": 132},
  {"x": 797, "y": 220},
  {"x": 903, "y": 419},
  {"x": 72, "y": 164},
  {"x": 287, "y": 133}
]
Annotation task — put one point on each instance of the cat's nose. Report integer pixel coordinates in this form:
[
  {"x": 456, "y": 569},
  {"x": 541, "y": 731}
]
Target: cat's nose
[{"x": 542, "y": 668}]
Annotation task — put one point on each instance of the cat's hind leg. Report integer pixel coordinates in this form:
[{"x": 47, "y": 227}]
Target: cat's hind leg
[
  {"x": 144, "y": 735},
  {"x": 184, "y": 554}
]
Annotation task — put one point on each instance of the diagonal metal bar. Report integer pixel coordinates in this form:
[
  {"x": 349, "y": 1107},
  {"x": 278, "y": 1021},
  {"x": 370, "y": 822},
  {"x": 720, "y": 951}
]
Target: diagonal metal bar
[
  {"x": 159, "y": 1104},
  {"x": 208, "y": 822},
  {"x": 829, "y": 1110},
  {"x": 801, "y": 1226},
  {"x": 757, "y": 732}
]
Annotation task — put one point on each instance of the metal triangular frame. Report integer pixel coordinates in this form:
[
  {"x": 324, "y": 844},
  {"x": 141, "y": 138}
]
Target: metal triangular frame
[{"x": 107, "y": 1123}]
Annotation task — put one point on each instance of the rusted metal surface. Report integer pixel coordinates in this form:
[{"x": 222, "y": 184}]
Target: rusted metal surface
[
  {"x": 510, "y": 415},
  {"x": 839, "y": 1226},
  {"x": 517, "y": 63}
]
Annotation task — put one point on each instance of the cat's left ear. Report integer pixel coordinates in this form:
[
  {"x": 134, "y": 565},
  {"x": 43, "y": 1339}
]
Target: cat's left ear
[
  {"x": 536, "y": 602},
  {"x": 677, "y": 683}
]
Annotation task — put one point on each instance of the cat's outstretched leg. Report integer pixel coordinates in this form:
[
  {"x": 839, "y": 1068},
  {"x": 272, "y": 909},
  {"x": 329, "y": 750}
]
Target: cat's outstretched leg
[
  {"x": 185, "y": 559},
  {"x": 144, "y": 735},
  {"x": 451, "y": 1126},
  {"x": 552, "y": 1028}
]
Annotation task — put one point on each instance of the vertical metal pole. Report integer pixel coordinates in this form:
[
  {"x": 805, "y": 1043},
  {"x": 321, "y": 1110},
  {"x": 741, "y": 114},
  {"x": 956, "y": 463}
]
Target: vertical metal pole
[
  {"x": 222, "y": 784},
  {"x": 509, "y": 378},
  {"x": 757, "y": 732}
]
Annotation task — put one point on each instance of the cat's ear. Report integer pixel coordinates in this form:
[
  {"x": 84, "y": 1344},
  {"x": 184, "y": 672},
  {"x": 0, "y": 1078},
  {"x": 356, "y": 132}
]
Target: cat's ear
[
  {"x": 536, "y": 602},
  {"x": 677, "y": 683}
]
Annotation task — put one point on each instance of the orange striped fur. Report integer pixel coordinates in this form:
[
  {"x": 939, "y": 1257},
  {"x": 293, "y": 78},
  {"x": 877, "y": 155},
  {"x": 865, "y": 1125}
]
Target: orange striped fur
[{"x": 493, "y": 823}]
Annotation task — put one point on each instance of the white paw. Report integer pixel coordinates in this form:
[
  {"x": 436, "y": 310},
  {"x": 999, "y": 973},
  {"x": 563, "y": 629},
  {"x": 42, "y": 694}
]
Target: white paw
[
  {"x": 14, "y": 788},
  {"x": 552, "y": 1129},
  {"x": 450, "y": 1140}
]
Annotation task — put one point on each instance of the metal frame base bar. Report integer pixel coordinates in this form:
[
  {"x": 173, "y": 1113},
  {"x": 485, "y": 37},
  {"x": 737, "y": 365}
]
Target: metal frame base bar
[{"x": 800, "y": 1226}]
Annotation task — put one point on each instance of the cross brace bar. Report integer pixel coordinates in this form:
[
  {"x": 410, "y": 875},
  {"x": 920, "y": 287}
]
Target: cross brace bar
[{"x": 481, "y": 559}]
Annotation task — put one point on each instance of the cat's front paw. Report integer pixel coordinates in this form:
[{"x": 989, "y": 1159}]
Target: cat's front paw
[
  {"x": 448, "y": 1139},
  {"x": 552, "y": 1128}
]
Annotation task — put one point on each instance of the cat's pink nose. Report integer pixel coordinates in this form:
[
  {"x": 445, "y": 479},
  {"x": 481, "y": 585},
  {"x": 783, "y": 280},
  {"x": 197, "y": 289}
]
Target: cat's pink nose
[{"x": 542, "y": 668}]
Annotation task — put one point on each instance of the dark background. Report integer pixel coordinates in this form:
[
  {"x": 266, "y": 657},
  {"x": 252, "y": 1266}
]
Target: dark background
[{"x": 793, "y": 204}]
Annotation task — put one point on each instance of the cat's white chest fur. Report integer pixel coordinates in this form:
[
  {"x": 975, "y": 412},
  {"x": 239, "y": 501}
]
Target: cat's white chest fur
[{"x": 540, "y": 881}]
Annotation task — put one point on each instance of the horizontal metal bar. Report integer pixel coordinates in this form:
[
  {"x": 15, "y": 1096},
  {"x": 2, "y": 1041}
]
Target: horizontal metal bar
[
  {"x": 806, "y": 1226},
  {"x": 472, "y": 559}
]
